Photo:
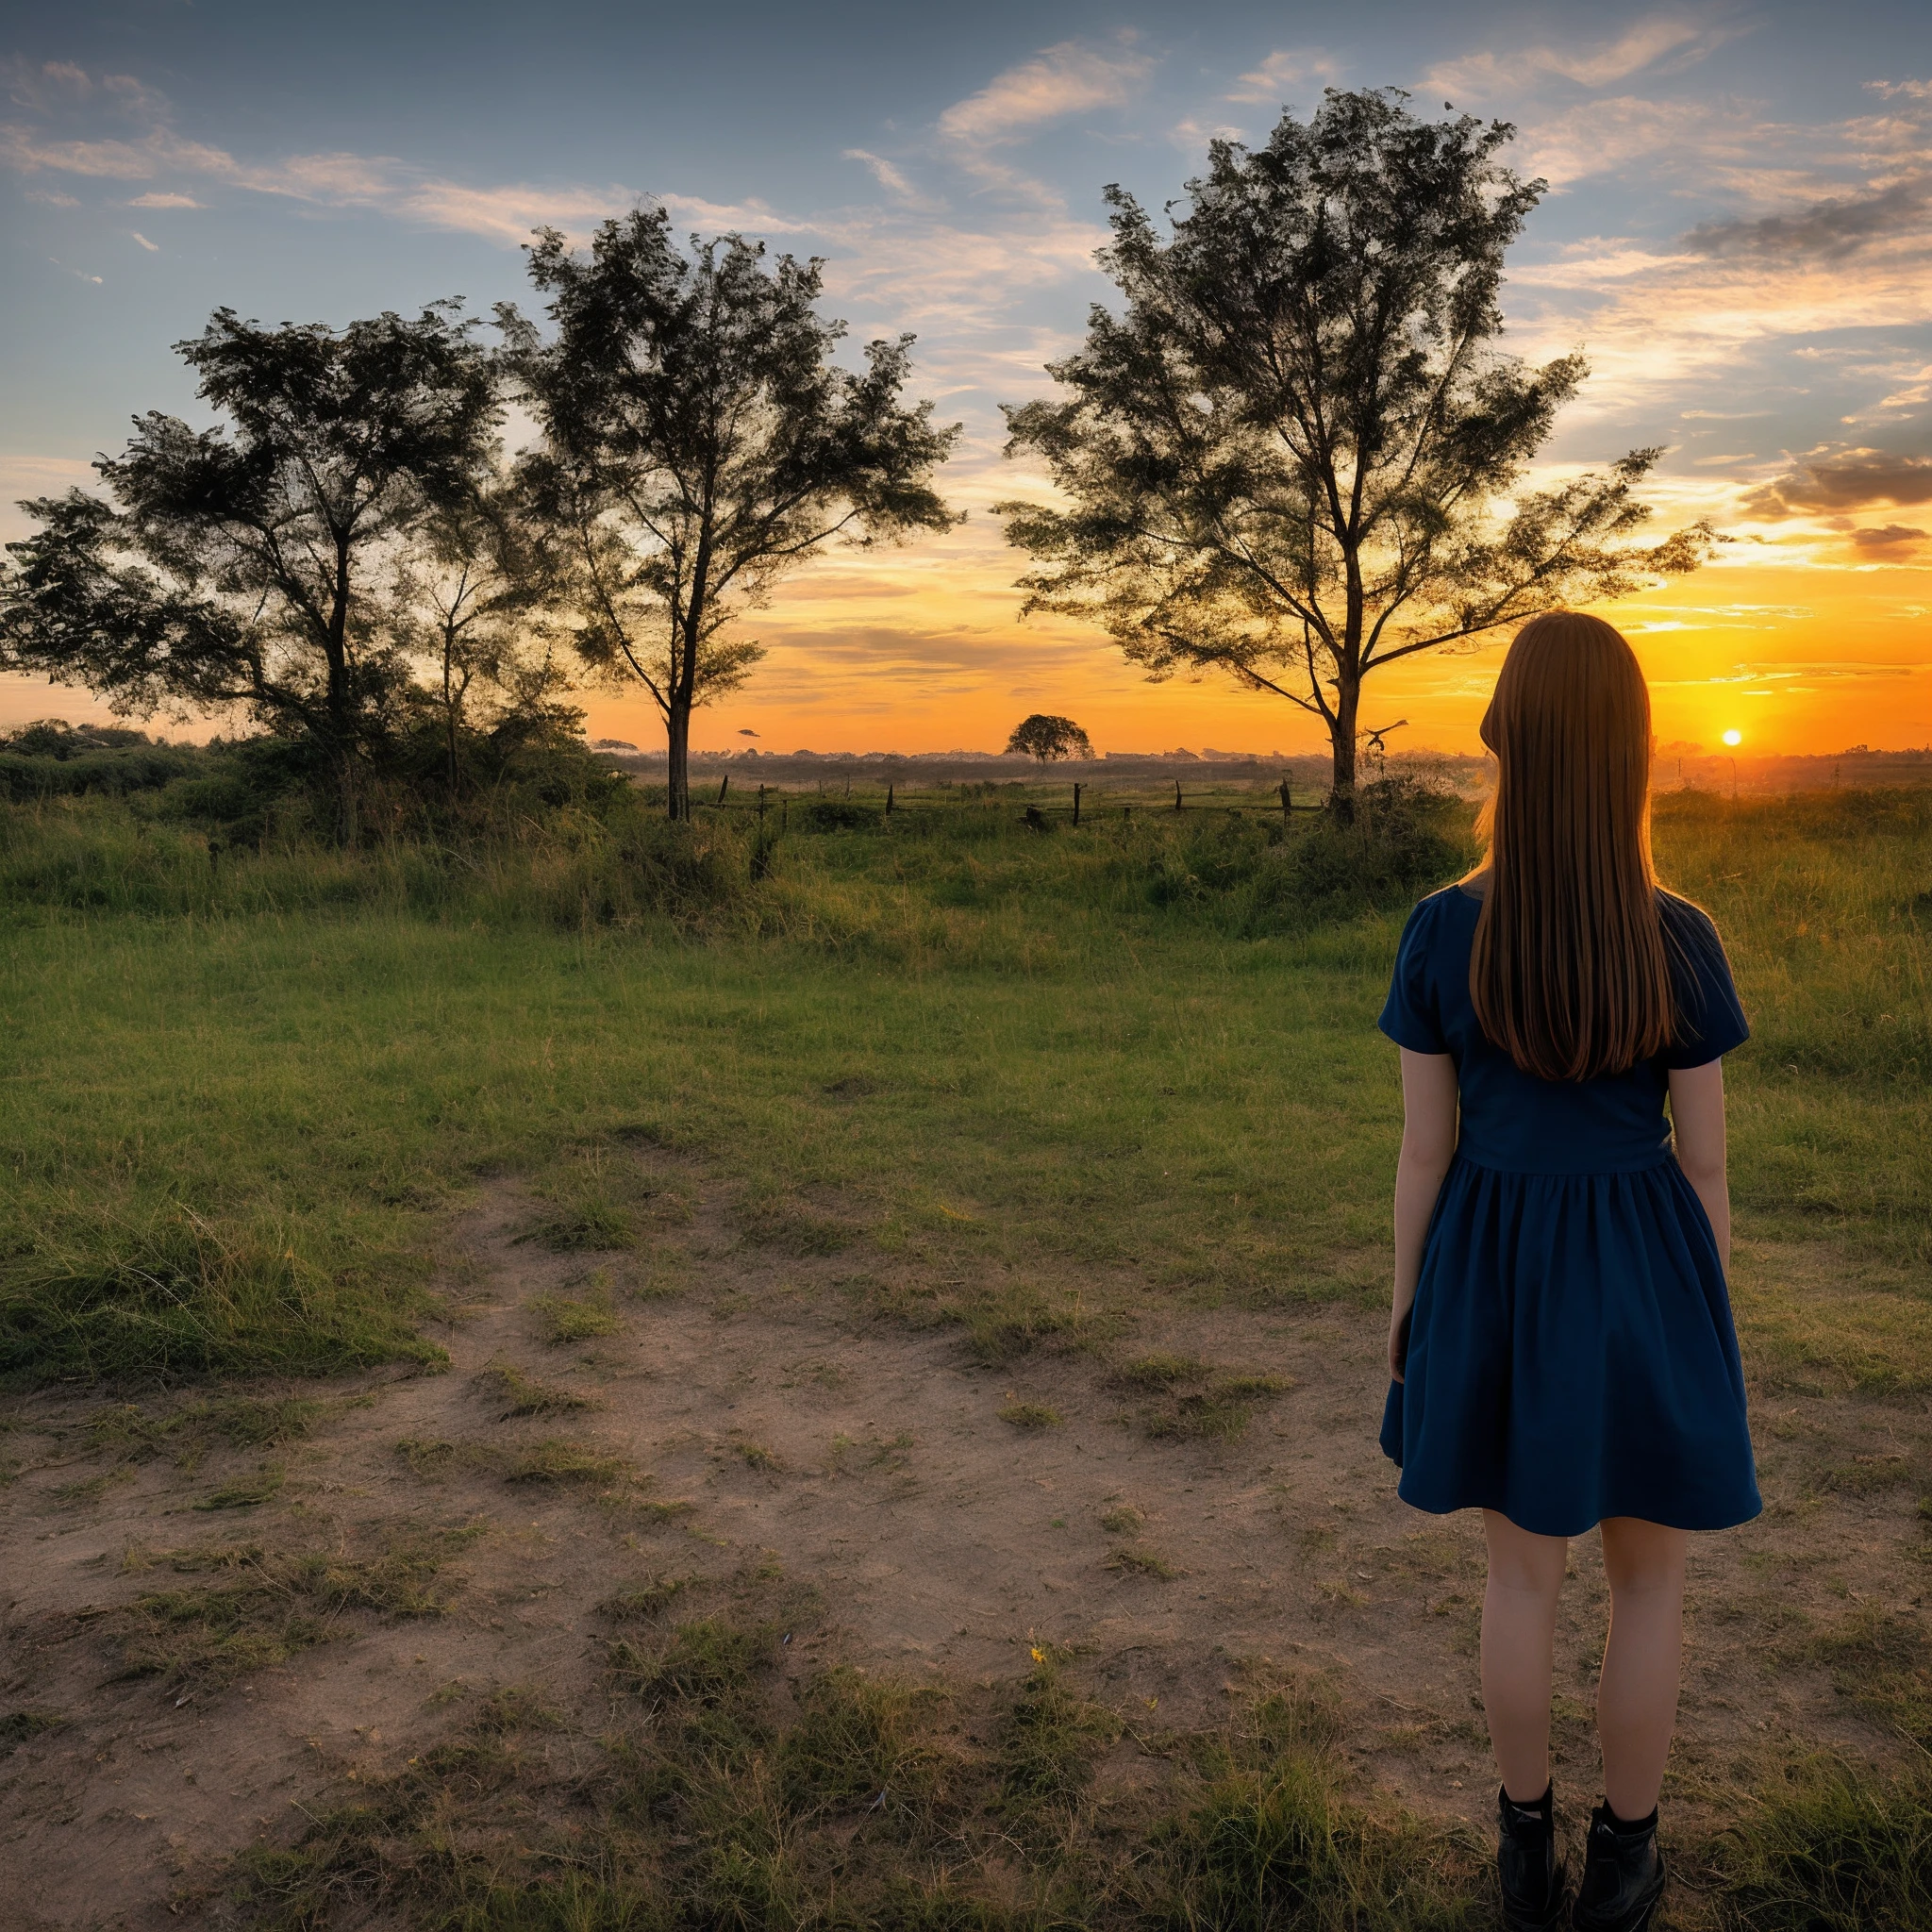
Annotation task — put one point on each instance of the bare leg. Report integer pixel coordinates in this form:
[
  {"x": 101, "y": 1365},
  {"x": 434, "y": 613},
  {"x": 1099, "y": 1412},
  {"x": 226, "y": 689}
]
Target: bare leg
[
  {"x": 1636, "y": 1694},
  {"x": 1519, "y": 1651}
]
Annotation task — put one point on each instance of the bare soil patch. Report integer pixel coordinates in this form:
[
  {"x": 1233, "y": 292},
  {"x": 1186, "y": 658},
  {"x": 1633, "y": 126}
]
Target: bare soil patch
[{"x": 216, "y": 1616}]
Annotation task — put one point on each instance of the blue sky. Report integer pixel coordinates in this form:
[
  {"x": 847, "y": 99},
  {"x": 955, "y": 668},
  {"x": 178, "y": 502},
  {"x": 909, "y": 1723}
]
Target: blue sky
[{"x": 1739, "y": 230}]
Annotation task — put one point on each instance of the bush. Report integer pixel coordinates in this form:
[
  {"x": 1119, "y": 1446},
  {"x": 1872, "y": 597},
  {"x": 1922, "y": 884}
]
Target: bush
[
  {"x": 1405, "y": 839},
  {"x": 837, "y": 815},
  {"x": 53, "y": 759}
]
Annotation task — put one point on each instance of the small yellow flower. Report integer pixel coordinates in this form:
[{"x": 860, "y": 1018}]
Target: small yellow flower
[{"x": 1038, "y": 1654}]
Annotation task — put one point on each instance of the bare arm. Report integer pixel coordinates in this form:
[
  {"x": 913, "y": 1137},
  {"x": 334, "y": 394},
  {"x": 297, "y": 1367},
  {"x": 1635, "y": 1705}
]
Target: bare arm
[
  {"x": 1428, "y": 1146},
  {"x": 1697, "y": 1119}
]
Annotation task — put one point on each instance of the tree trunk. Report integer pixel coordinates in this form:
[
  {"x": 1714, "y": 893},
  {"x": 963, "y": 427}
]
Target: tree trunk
[
  {"x": 341, "y": 715},
  {"x": 1341, "y": 736},
  {"x": 678, "y": 764},
  {"x": 348, "y": 825},
  {"x": 449, "y": 709}
]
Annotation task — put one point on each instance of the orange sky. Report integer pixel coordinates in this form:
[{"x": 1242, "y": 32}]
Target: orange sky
[
  {"x": 1737, "y": 230},
  {"x": 1785, "y": 640}
]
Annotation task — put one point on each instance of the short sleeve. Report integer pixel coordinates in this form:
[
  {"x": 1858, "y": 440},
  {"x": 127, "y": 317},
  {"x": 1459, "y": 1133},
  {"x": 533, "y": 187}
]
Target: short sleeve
[
  {"x": 1710, "y": 1020},
  {"x": 1413, "y": 1016}
]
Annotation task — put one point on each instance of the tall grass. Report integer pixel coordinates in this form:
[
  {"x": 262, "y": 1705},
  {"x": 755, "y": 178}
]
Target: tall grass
[{"x": 570, "y": 868}]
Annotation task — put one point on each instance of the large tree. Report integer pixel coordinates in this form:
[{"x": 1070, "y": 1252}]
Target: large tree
[
  {"x": 699, "y": 441},
  {"x": 243, "y": 564},
  {"x": 1299, "y": 454}
]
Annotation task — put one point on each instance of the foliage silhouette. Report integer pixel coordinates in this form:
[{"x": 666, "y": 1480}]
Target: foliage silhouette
[
  {"x": 240, "y": 565},
  {"x": 699, "y": 442},
  {"x": 1298, "y": 454}
]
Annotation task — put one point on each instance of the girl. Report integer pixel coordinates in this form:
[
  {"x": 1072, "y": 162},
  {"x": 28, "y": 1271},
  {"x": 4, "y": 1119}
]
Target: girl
[{"x": 1560, "y": 1344}]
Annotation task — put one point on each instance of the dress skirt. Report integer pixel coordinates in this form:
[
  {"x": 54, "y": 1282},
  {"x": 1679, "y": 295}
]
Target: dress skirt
[{"x": 1572, "y": 1355}]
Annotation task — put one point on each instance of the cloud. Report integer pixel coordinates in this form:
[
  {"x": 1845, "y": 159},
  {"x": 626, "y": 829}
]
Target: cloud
[
  {"x": 1830, "y": 229},
  {"x": 1284, "y": 72},
  {"x": 1855, "y": 480},
  {"x": 1063, "y": 79},
  {"x": 49, "y": 84},
  {"x": 890, "y": 178},
  {"x": 1888, "y": 542},
  {"x": 152, "y": 247},
  {"x": 154, "y": 153},
  {"x": 1192, "y": 135},
  {"x": 164, "y": 201},
  {"x": 1643, "y": 45}
]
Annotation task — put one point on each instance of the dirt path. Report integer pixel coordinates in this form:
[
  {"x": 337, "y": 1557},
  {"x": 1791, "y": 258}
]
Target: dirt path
[{"x": 742, "y": 1415}]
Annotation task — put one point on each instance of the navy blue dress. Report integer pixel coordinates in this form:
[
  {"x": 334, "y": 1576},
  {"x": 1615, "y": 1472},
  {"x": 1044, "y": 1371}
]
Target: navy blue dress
[{"x": 1570, "y": 1355}]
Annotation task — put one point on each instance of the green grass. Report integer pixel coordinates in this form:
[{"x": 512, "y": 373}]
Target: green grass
[
  {"x": 263, "y": 1606},
  {"x": 522, "y": 1395},
  {"x": 1031, "y": 1415},
  {"x": 858, "y": 1800},
  {"x": 560, "y": 1461},
  {"x": 230, "y": 1128}
]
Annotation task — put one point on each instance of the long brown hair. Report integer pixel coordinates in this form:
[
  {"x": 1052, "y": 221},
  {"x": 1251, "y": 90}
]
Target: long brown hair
[{"x": 1569, "y": 973}]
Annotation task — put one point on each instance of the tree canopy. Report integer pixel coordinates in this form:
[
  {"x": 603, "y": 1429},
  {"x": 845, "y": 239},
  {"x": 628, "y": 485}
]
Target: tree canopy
[
  {"x": 1049, "y": 739},
  {"x": 699, "y": 442},
  {"x": 240, "y": 564},
  {"x": 1298, "y": 454}
]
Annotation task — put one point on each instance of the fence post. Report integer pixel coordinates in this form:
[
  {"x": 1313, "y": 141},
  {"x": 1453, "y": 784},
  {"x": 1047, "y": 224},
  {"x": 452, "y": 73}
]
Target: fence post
[
  {"x": 1176, "y": 794},
  {"x": 1286, "y": 805},
  {"x": 723, "y": 787},
  {"x": 889, "y": 798},
  {"x": 1077, "y": 790},
  {"x": 761, "y": 804}
]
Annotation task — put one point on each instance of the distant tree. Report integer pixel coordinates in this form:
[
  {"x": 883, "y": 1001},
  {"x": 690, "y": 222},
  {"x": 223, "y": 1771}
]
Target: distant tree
[
  {"x": 470, "y": 593},
  {"x": 1049, "y": 739},
  {"x": 699, "y": 442},
  {"x": 1298, "y": 454},
  {"x": 243, "y": 564}
]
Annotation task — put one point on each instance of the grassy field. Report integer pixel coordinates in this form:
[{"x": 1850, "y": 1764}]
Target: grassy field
[
  {"x": 1023, "y": 1080},
  {"x": 230, "y": 1123}
]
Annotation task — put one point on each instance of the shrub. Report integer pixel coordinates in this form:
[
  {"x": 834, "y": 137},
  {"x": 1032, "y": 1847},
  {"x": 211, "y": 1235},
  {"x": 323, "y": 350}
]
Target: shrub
[{"x": 837, "y": 815}]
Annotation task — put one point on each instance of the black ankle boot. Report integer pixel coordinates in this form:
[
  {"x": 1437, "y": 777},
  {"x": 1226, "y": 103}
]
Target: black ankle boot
[
  {"x": 1622, "y": 1874},
  {"x": 1533, "y": 1891}
]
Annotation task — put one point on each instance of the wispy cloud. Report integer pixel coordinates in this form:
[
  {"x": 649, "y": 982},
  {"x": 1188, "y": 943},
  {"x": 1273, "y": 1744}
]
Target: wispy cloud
[
  {"x": 1666, "y": 41},
  {"x": 1065, "y": 80},
  {"x": 1286, "y": 72},
  {"x": 152, "y": 247},
  {"x": 892, "y": 179}
]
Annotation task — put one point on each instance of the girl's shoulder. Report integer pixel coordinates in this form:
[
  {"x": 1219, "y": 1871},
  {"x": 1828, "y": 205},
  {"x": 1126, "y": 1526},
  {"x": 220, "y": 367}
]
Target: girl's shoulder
[
  {"x": 1447, "y": 916},
  {"x": 1711, "y": 1019},
  {"x": 1687, "y": 924}
]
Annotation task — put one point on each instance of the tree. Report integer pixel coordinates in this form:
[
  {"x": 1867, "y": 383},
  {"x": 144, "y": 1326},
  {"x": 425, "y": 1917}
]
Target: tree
[
  {"x": 699, "y": 442},
  {"x": 1298, "y": 454},
  {"x": 470, "y": 591},
  {"x": 1049, "y": 739},
  {"x": 240, "y": 565}
]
